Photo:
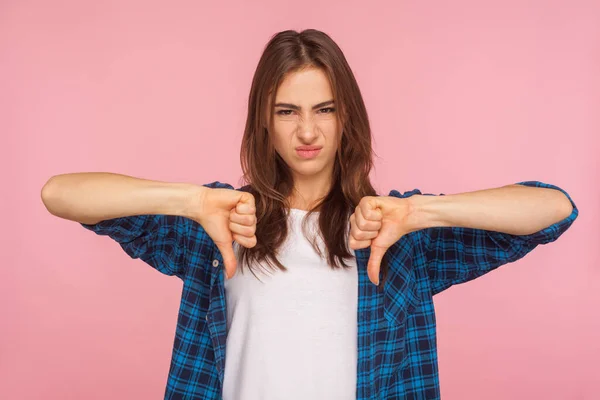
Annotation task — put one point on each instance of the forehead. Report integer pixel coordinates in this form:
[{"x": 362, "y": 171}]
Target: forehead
[{"x": 309, "y": 85}]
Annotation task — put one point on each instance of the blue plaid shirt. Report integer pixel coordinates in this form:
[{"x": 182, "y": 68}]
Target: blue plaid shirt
[{"x": 397, "y": 355}]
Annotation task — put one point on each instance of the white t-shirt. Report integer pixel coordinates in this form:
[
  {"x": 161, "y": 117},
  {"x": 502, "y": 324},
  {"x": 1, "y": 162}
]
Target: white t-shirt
[{"x": 292, "y": 335}]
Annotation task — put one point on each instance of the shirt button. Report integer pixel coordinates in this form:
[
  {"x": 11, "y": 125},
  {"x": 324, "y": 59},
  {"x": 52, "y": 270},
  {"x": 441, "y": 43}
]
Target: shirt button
[{"x": 215, "y": 263}]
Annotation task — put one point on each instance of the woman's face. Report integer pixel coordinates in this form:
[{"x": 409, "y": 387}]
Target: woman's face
[{"x": 305, "y": 124}]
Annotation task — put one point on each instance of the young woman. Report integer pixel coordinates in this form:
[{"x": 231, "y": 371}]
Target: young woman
[{"x": 304, "y": 283}]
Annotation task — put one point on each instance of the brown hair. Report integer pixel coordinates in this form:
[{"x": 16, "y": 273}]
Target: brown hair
[{"x": 266, "y": 174}]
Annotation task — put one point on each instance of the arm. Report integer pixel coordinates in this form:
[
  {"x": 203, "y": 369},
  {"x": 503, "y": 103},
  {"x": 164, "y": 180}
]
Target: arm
[
  {"x": 514, "y": 209},
  {"x": 464, "y": 236},
  {"x": 91, "y": 197},
  {"x": 147, "y": 218}
]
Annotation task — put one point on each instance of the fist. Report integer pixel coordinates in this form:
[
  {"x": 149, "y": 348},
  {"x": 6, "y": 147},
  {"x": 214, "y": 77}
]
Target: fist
[
  {"x": 378, "y": 222},
  {"x": 227, "y": 215}
]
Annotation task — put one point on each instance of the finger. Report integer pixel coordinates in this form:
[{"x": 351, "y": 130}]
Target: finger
[
  {"x": 243, "y": 230},
  {"x": 362, "y": 235},
  {"x": 374, "y": 264},
  {"x": 229, "y": 260},
  {"x": 358, "y": 244},
  {"x": 242, "y": 219},
  {"x": 369, "y": 208},
  {"x": 246, "y": 204},
  {"x": 364, "y": 223},
  {"x": 358, "y": 234},
  {"x": 245, "y": 241}
]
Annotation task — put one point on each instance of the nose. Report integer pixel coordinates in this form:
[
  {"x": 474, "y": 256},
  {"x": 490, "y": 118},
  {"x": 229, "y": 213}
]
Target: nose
[{"x": 307, "y": 130}]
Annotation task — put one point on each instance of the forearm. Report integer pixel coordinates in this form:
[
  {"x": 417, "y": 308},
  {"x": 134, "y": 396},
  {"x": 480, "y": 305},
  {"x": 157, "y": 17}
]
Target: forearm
[
  {"x": 90, "y": 197},
  {"x": 513, "y": 209}
]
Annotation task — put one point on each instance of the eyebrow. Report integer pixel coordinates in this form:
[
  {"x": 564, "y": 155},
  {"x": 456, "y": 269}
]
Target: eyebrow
[{"x": 295, "y": 107}]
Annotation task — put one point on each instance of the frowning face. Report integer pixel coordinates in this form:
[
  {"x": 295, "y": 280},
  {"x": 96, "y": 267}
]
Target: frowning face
[{"x": 305, "y": 127}]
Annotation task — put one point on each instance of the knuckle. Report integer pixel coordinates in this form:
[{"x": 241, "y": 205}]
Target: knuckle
[{"x": 363, "y": 235}]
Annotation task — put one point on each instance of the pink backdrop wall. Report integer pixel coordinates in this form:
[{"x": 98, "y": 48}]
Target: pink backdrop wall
[{"x": 462, "y": 95}]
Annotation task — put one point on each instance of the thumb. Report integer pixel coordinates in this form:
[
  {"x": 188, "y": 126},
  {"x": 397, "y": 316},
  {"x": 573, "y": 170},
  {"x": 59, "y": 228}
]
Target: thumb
[
  {"x": 229, "y": 260},
  {"x": 374, "y": 264}
]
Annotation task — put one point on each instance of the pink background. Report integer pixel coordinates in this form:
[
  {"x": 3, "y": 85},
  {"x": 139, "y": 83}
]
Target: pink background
[{"x": 462, "y": 95}]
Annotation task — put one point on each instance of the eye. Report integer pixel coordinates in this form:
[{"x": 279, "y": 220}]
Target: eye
[
  {"x": 284, "y": 112},
  {"x": 327, "y": 110}
]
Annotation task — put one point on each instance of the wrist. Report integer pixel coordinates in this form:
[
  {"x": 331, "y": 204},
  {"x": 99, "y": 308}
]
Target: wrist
[
  {"x": 192, "y": 199},
  {"x": 425, "y": 212},
  {"x": 183, "y": 199}
]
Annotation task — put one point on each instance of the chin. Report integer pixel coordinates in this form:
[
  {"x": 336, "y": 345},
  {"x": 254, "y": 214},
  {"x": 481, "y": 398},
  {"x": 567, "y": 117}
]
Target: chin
[{"x": 313, "y": 170}]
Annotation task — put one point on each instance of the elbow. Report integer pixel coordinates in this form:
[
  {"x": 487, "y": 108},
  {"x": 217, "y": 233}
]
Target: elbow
[
  {"x": 55, "y": 196},
  {"x": 566, "y": 207},
  {"x": 562, "y": 205},
  {"x": 48, "y": 195}
]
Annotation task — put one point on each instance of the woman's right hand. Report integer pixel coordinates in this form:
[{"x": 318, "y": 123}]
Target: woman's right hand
[{"x": 226, "y": 215}]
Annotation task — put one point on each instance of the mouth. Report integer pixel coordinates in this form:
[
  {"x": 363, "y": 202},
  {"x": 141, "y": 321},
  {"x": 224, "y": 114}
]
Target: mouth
[{"x": 308, "y": 151}]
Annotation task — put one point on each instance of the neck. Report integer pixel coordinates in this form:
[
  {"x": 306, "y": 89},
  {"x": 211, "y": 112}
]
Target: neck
[{"x": 309, "y": 191}]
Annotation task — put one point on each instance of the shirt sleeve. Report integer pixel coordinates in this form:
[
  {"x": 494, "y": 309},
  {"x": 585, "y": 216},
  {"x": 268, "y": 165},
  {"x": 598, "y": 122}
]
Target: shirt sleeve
[
  {"x": 165, "y": 242},
  {"x": 454, "y": 255}
]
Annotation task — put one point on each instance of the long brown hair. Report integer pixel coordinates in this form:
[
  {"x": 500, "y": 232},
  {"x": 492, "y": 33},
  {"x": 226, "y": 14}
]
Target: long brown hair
[{"x": 268, "y": 177}]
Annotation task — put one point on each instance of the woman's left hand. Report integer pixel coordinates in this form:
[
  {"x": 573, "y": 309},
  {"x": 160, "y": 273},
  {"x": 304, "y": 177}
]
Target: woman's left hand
[{"x": 378, "y": 222}]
